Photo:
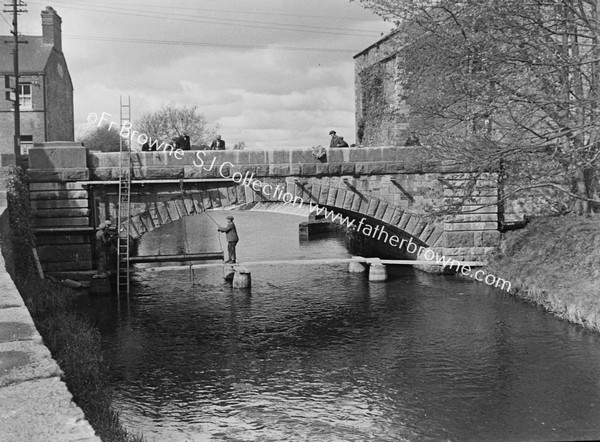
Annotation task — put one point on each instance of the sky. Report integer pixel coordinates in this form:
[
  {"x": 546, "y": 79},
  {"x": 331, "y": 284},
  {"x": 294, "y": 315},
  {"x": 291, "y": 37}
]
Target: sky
[{"x": 270, "y": 73}]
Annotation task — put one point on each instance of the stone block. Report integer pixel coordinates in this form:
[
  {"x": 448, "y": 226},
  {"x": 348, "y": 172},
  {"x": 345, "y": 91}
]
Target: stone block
[
  {"x": 215, "y": 198},
  {"x": 470, "y": 226},
  {"x": 297, "y": 156},
  {"x": 404, "y": 220},
  {"x": 61, "y": 222},
  {"x": 426, "y": 233},
  {"x": 59, "y": 194},
  {"x": 250, "y": 194},
  {"x": 16, "y": 325},
  {"x": 224, "y": 197},
  {"x": 412, "y": 224},
  {"x": 418, "y": 229},
  {"x": 163, "y": 212},
  {"x": 364, "y": 205},
  {"x": 376, "y": 168},
  {"x": 262, "y": 170},
  {"x": 331, "y": 196},
  {"x": 155, "y": 216},
  {"x": 174, "y": 214},
  {"x": 322, "y": 169},
  {"x": 381, "y": 209},
  {"x": 24, "y": 360},
  {"x": 347, "y": 168},
  {"x": 156, "y": 173},
  {"x": 388, "y": 214},
  {"x": 356, "y": 202},
  {"x": 137, "y": 223},
  {"x": 335, "y": 155},
  {"x": 279, "y": 156},
  {"x": 65, "y": 253},
  {"x": 279, "y": 170},
  {"x": 340, "y": 197},
  {"x": 58, "y": 155},
  {"x": 396, "y": 216},
  {"x": 181, "y": 207},
  {"x": 362, "y": 168},
  {"x": 60, "y": 213},
  {"x": 146, "y": 219},
  {"x": 56, "y": 186},
  {"x": 133, "y": 233},
  {"x": 232, "y": 195},
  {"x": 490, "y": 238},
  {"x": 334, "y": 169},
  {"x": 436, "y": 237},
  {"x": 240, "y": 194},
  {"x": 59, "y": 204},
  {"x": 68, "y": 267},
  {"x": 475, "y": 201},
  {"x": 477, "y": 217},
  {"x": 48, "y": 240},
  {"x": 358, "y": 155},
  {"x": 459, "y": 239},
  {"x": 308, "y": 169},
  {"x": 47, "y": 175},
  {"x": 348, "y": 199},
  {"x": 479, "y": 209},
  {"x": 372, "y": 208}
]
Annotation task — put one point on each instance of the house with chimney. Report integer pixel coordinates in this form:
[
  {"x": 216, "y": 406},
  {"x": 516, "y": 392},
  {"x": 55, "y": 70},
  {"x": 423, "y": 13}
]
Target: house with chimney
[{"x": 45, "y": 87}]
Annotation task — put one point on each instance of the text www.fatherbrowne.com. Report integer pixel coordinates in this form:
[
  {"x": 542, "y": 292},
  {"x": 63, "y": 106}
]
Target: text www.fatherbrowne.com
[{"x": 279, "y": 193}]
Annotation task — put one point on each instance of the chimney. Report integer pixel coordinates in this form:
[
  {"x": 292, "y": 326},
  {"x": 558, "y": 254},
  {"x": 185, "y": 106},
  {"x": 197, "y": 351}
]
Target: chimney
[{"x": 51, "y": 28}]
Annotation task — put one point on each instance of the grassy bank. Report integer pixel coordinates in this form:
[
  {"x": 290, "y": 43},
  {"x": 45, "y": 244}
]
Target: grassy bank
[
  {"x": 73, "y": 341},
  {"x": 555, "y": 263}
]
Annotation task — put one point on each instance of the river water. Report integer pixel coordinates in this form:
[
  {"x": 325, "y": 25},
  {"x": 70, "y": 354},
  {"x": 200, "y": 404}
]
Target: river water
[{"x": 314, "y": 353}]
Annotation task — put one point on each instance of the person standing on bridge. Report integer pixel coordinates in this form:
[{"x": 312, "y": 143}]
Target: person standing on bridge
[
  {"x": 232, "y": 238},
  {"x": 335, "y": 140},
  {"x": 218, "y": 144}
]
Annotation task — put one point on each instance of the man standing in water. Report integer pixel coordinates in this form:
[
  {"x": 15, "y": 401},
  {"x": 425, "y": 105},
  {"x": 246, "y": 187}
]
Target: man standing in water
[
  {"x": 104, "y": 239},
  {"x": 232, "y": 238}
]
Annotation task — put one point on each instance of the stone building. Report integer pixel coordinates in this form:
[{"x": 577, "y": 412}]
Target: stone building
[
  {"x": 46, "y": 90},
  {"x": 381, "y": 113}
]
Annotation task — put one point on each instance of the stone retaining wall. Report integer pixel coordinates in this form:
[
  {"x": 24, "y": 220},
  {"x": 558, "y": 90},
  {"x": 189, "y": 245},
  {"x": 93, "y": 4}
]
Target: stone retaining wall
[{"x": 35, "y": 404}]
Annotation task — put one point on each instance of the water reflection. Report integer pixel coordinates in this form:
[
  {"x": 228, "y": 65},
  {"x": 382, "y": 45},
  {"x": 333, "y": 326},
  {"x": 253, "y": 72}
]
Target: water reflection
[{"x": 316, "y": 353}]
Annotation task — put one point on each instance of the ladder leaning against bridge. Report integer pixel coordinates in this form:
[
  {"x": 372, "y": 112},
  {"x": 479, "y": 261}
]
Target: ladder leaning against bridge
[{"x": 124, "y": 211}]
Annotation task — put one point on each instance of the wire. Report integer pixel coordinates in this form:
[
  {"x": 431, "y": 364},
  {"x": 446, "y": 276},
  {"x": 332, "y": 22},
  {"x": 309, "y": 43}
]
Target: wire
[
  {"x": 228, "y": 11},
  {"x": 223, "y": 21},
  {"x": 7, "y": 22},
  {"x": 215, "y": 45}
]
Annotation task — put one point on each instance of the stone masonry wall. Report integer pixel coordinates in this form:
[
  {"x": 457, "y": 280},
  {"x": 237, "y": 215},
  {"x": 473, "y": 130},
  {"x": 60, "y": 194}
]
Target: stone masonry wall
[{"x": 381, "y": 113}]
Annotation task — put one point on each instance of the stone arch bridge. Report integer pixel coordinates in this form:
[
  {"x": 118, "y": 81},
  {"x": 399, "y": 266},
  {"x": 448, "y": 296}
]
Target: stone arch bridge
[{"x": 72, "y": 190}]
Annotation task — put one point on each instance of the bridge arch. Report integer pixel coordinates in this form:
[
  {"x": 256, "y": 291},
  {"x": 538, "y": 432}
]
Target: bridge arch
[{"x": 346, "y": 202}]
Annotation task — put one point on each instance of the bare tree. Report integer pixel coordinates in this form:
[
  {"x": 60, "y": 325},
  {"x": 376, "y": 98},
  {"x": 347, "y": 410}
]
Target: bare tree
[
  {"x": 172, "y": 122},
  {"x": 102, "y": 139},
  {"x": 509, "y": 86}
]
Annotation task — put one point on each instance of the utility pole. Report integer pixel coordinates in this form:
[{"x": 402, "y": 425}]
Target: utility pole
[{"x": 16, "y": 10}]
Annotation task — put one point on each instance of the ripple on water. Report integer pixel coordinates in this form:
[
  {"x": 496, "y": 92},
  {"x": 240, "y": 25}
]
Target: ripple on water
[{"x": 314, "y": 353}]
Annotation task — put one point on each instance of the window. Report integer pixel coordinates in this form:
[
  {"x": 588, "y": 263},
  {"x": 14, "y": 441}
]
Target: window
[
  {"x": 26, "y": 143},
  {"x": 25, "y": 102}
]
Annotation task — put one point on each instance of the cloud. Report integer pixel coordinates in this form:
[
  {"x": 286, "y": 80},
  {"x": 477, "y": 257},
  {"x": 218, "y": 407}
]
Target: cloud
[{"x": 252, "y": 85}]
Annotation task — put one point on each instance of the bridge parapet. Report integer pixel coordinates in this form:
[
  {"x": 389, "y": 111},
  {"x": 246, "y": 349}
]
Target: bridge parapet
[{"x": 263, "y": 163}]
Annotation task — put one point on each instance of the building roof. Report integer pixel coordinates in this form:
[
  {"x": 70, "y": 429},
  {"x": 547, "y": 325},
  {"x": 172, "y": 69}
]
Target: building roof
[
  {"x": 33, "y": 55},
  {"x": 378, "y": 42}
]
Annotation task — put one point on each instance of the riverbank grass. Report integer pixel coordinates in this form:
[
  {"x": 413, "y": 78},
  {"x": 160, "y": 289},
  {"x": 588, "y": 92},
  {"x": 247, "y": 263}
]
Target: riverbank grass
[{"x": 555, "y": 263}]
